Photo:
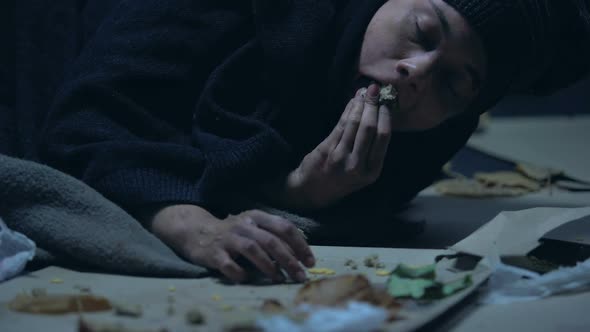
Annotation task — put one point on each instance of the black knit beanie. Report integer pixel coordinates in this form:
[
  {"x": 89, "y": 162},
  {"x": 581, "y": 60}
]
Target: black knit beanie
[{"x": 523, "y": 39}]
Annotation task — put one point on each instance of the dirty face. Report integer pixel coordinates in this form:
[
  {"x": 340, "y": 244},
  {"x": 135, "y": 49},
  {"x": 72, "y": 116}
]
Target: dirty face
[{"x": 427, "y": 51}]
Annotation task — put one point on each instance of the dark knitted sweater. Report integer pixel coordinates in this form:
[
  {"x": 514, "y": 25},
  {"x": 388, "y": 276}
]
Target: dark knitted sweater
[{"x": 184, "y": 101}]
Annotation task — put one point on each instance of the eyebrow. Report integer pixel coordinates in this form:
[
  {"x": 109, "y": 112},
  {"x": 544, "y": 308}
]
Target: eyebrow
[{"x": 442, "y": 18}]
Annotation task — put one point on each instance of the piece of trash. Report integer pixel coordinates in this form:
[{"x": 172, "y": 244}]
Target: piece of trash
[
  {"x": 15, "y": 251},
  {"x": 194, "y": 316},
  {"x": 352, "y": 316},
  {"x": 171, "y": 289},
  {"x": 507, "y": 284},
  {"x": 321, "y": 270},
  {"x": 128, "y": 310},
  {"x": 216, "y": 298},
  {"x": 57, "y": 281}
]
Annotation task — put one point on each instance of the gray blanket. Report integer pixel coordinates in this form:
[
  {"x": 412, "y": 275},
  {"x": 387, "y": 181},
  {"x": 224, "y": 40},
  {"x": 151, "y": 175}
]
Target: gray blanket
[{"x": 72, "y": 223}]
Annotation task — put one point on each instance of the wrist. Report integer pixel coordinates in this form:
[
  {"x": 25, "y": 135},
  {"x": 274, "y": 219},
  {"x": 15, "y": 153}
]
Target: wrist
[{"x": 175, "y": 225}]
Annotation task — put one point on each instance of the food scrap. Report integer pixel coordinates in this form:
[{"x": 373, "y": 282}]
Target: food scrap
[
  {"x": 83, "y": 289},
  {"x": 420, "y": 283},
  {"x": 88, "y": 326},
  {"x": 337, "y": 291},
  {"x": 38, "y": 292},
  {"x": 508, "y": 179},
  {"x": 57, "y": 281},
  {"x": 171, "y": 311},
  {"x": 321, "y": 270},
  {"x": 128, "y": 310},
  {"x": 474, "y": 188},
  {"x": 171, "y": 288},
  {"x": 226, "y": 307},
  {"x": 272, "y": 306},
  {"x": 59, "y": 304},
  {"x": 351, "y": 264},
  {"x": 383, "y": 273},
  {"x": 372, "y": 261},
  {"x": 216, "y": 297},
  {"x": 194, "y": 316}
]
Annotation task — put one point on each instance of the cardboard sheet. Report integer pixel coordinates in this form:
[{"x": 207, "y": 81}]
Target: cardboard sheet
[{"x": 222, "y": 304}]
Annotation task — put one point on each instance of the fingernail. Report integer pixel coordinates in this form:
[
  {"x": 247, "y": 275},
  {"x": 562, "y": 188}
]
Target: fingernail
[
  {"x": 359, "y": 92},
  {"x": 300, "y": 276},
  {"x": 310, "y": 261},
  {"x": 373, "y": 90}
]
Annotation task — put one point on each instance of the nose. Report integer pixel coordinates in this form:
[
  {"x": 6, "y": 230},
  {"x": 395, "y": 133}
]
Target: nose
[{"x": 415, "y": 73}]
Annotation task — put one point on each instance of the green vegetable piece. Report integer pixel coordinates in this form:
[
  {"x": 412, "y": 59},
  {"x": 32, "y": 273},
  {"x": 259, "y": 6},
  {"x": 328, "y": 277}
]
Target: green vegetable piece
[
  {"x": 457, "y": 285},
  {"x": 404, "y": 287},
  {"x": 424, "y": 272}
]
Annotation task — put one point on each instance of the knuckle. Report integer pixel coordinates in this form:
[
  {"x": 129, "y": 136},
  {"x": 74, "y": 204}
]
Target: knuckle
[
  {"x": 337, "y": 157},
  {"x": 270, "y": 243},
  {"x": 369, "y": 128},
  {"x": 248, "y": 246},
  {"x": 353, "y": 167}
]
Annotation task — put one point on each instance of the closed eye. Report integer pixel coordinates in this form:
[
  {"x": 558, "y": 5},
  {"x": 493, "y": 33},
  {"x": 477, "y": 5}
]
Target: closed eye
[{"x": 422, "y": 37}]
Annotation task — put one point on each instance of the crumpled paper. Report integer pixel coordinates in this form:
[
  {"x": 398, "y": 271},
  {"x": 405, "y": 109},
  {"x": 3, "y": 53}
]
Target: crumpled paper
[
  {"x": 15, "y": 251},
  {"x": 356, "y": 316},
  {"x": 510, "y": 284}
]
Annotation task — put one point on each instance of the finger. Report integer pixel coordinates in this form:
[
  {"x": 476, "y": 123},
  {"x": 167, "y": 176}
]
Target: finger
[
  {"x": 332, "y": 140},
  {"x": 368, "y": 126},
  {"x": 287, "y": 232},
  {"x": 353, "y": 121},
  {"x": 279, "y": 250},
  {"x": 381, "y": 142},
  {"x": 252, "y": 251},
  {"x": 228, "y": 267}
]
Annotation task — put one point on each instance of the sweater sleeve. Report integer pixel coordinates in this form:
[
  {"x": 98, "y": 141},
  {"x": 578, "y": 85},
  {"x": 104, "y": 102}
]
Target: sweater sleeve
[{"x": 122, "y": 119}]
